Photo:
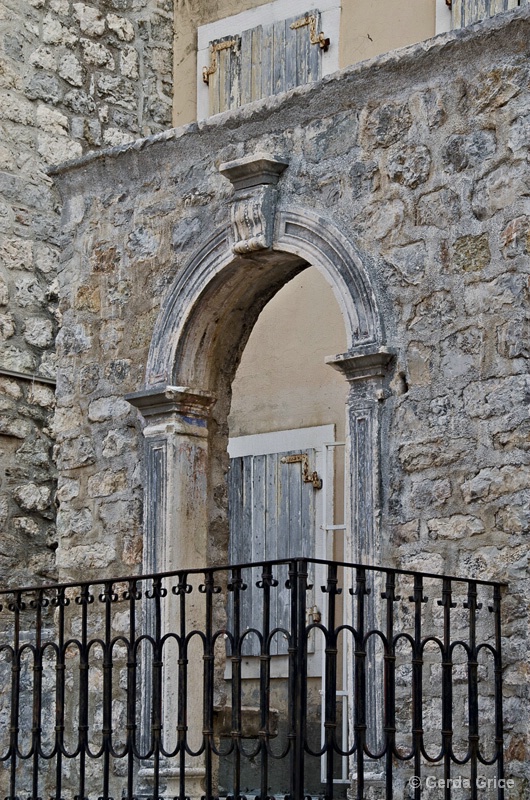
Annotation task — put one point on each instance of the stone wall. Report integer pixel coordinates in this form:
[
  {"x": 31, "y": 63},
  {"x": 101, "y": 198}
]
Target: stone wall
[
  {"x": 74, "y": 77},
  {"x": 422, "y": 160}
]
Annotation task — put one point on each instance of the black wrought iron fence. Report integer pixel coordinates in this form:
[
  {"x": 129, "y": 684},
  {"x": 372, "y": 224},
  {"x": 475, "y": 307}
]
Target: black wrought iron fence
[{"x": 293, "y": 678}]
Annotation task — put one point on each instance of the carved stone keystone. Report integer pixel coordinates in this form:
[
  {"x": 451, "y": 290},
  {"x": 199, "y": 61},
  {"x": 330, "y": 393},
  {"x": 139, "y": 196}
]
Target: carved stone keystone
[{"x": 254, "y": 179}]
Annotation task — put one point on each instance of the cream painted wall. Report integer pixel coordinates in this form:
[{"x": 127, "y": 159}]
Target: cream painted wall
[
  {"x": 282, "y": 381},
  {"x": 372, "y": 27},
  {"x": 368, "y": 28}
]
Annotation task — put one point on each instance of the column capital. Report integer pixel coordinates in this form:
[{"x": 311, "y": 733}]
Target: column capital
[
  {"x": 366, "y": 363},
  {"x": 193, "y": 405}
]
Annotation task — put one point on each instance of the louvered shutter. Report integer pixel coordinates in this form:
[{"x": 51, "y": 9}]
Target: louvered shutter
[
  {"x": 272, "y": 516},
  {"x": 263, "y": 61},
  {"x": 466, "y": 12}
]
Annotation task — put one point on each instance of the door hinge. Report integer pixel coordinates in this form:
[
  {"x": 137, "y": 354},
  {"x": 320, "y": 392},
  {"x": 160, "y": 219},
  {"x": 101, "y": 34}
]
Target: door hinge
[
  {"x": 216, "y": 47},
  {"x": 314, "y": 37},
  {"x": 307, "y": 477}
]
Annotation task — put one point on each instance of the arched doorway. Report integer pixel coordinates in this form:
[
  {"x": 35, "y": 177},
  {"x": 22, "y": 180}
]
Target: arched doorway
[{"x": 198, "y": 341}]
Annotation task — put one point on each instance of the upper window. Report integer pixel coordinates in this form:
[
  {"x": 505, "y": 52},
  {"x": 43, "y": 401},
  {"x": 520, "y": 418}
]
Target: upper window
[{"x": 261, "y": 52}]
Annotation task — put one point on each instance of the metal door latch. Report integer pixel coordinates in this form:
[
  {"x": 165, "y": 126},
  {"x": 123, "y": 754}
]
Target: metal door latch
[
  {"x": 215, "y": 48},
  {"x": 307, "y": 477},
  {"x": 314, "y": 37}
]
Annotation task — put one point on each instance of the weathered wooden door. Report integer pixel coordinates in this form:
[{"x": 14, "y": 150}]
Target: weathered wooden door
[{"x": 276, "y": 512}]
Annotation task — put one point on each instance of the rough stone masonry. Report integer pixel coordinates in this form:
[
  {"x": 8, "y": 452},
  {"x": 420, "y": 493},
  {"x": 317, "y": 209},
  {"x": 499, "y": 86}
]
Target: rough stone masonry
[
  {"x": 74, "y": 77},
  {"x": 420, "y": 158}
]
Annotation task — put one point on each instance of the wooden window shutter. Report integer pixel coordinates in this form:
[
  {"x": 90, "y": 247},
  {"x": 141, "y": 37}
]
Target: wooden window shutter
[
  {"x": 466, "y": 12},
  {"x": 263, "y": 61}
]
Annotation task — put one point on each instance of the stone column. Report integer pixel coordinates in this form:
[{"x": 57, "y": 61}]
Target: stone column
[
  {"x": 175, "y": 533},
  {"x": 366, "y": 371}
]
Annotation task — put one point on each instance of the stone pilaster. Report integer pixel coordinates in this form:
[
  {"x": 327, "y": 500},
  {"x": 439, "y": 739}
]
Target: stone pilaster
[{"x": 176, "y": 458}]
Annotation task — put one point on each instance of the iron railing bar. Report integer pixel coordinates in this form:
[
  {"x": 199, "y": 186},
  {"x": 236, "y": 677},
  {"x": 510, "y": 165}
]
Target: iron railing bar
[
  {"x": 99, "y": 622},
  {"x": 248, "y": 565}
]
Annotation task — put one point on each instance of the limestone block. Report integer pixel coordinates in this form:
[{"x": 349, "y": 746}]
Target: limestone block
[
  {"x": 513, "y": 338},
  {"x": 17, "y": 108},
  {"x": 519, "y": 133},
  {"x": 463, "y": 152},
  {"x": 409, "y": 165},
  {"x": 121, "y": 27},
  {"x": 500, "y": 189},
  {"x": 43, "y": 58},
  {"x": 120, "y": 515},
  {"x": 494, "y": 397},
  {"x": 71, "y": 70},
  {"x": 494, "y": 482},
  {"x": 108, "y": 408},
  {"x": 45, "y": 87},
  {"x": 54, "y": 32},
  {"x": 428, "y": 493},
  {"x": 79, "y": 102},
  {"x": 514, "y": 518},
  {"x": 87, "y": 299},
  {"x": 76, "y": 452},
  {"x": 440, "y": 209},
  {"x": 52, "y": 121},
  {"x": 410, "y": 261},
  {"x": 4, "y": 292},
  {"x": 472, "y": 253},
  {"x": 388, "y": 123},
  {"x": 382, "y": 220},
  {"x": 107, "y": 482},
  {"x": 67, "y": 420},
  {"x": 67, "y": 490},
  {"x": 494, "y": 88},
  {"x": 515, "y": 237},
  {"x": 118, "y": 369},
  {"x": 129, "y": 62},
  {"x": 7, "y": 326},
  {"x": 26, "y": 525},
  {"x": 31, "y": 497},
  {"x": 96, "y": 53},
  {"x": 118, "y": 90},
  {"x": 60, "y": 6},
  {"x": 92, "y": 558},
  {"x": 417, "y": 456},
  {"x": 115, "y": 443},
  {"x": 142, "y": 243},
  {"x": 41, "y": 395},
  {"x": 419, "y": 364},
  {"x": 18, "y": 360},
  {"x": 90, "y": 19},
  {"x": 111, "y": 335},
  {"x": 76, "y": 521},
  {"x": 458, "y": 526},
  {"x": 11, "y": 388},
  {"x": 39, "y": 332},
  {"x": 56, "y": 149},
  {"x": 46, "y": 258},
  {"x": 518, "y": 438},
  {"x": 435, "y": 306},
  {"x": 18, "y": 428}
]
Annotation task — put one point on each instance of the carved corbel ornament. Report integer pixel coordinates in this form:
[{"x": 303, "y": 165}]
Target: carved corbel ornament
[
  {"x": 192, "y": 404},
  {"x": 253, "y": 205},
  {"x": 367, "y": 366}
]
